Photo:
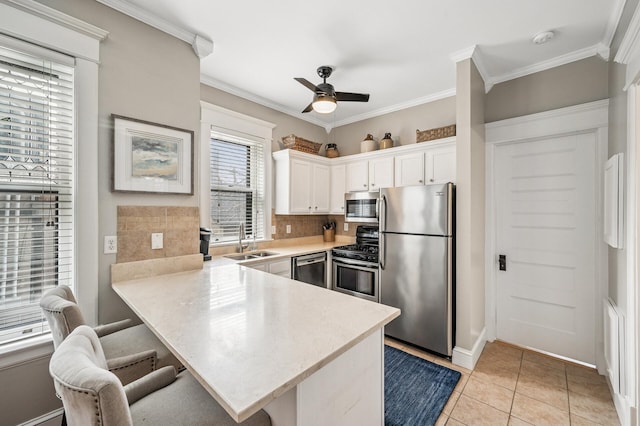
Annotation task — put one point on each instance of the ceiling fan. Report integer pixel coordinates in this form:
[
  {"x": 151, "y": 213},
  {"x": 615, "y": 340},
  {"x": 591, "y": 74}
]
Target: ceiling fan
[{"x": 325, "y": 96}]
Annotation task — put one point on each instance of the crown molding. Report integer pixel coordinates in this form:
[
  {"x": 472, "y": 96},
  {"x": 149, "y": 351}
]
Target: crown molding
[
  {"x": 473, "y": 53},
  {"x": 597, "y": 49},
  {"x": 630, "y": 41},
  {"x": 202, "y": 46},
  {"x": 57, "y": 17},
  {"x": 614, "y": 21}
]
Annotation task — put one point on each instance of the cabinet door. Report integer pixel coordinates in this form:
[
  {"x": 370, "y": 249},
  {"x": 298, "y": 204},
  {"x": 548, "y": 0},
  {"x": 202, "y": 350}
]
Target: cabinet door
[
  {"x": 281, "y": 267},
  {"x": 381, "y": 173},
  {"x": 300, "y": 197},
  {"x": 441, "y": 165},
  {"x": 358, "y": 176},
  {"x": 320, "y": 188},
  {"x": 409, "y": 169},
  {"x": 338, "y": 188}
]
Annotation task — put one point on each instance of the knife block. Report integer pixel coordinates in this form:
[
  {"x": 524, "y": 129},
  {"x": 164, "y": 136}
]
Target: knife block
[{"x": 329, "y": 235}]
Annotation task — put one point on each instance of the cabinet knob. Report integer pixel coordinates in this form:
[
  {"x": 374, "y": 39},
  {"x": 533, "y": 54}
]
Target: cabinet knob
[
  {"x": 430, "y": 180},
  {"x": 373, "y": 184},
  {"x": 365, "y": 185},
  {"x": 420, "y": 181},
  {"x": 309, "y": 207},
  {"x": 341, "y": 207},
  {"x": 316, "y": 207}
]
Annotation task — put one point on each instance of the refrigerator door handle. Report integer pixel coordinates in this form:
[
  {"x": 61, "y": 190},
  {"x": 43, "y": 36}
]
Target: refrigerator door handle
[
  {"x": 383, "y": 224},
  {"x": 383, "y": 213},
  {"x": 383, "y": 251}
]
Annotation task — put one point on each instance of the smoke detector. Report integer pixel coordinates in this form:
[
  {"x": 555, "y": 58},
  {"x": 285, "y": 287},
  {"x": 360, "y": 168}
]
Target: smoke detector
[{"x": 543, "y": 37}]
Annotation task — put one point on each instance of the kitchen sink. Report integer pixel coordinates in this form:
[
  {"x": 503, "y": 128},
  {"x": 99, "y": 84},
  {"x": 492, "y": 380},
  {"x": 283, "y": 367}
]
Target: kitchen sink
[
  {"x": 247, "y": 256},
  {"x": 262, "y": 253}
]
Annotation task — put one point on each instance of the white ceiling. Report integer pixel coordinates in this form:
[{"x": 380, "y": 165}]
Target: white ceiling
[{"x": 403, "y": 53}]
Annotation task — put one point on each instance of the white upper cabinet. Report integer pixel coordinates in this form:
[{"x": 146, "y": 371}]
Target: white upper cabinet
[
  {"x": 338, "y": 188},
  {"x": 302, "y": 186},
  {"x": 440, "y": 164},
  {"x": 409, "y": 169},
  {"x": 358, "y": 176},
  {"x": 380, "y": 173},
  {"x": 370, "y": 175},
  {"x": 311, "y": 184}
]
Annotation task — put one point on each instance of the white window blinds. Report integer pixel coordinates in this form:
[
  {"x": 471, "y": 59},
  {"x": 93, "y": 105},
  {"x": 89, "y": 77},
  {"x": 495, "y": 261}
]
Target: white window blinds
[
  {"x": 237, "y": 185},
  {"x": 36, "y": 188}
]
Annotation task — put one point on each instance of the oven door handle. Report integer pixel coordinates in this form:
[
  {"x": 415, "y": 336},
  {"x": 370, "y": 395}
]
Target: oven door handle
[{"x": 356, "y": 263}]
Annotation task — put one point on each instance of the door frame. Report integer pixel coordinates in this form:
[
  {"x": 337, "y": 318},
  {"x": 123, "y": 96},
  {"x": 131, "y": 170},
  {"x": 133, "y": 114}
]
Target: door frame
[{"x": 591, "y": 118}]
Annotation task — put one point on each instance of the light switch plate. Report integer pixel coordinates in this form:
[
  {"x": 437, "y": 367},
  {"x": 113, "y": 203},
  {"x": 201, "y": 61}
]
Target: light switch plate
[
  {"x": 288, "y": 229},
  {"x": 156, "y": 241},
  {"x": 346, "y": 226},
  {"x": 273, "y": 230},
  {"x": 110, "y": 244}
]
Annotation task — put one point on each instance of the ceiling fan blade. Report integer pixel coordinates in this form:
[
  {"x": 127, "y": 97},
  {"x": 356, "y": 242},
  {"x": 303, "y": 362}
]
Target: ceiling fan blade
[
  {"x": 308, "y": 108},
  {"x": 306, "y": 83},
  {"x": 352, "y": 97}
]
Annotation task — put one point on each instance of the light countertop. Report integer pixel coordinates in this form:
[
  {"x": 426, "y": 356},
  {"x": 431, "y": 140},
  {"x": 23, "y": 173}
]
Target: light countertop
[{"x": 249, "y": 336}]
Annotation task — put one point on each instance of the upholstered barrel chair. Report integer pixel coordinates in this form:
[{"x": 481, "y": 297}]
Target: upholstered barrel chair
[
  {"x": 94, "y": 396},
  {"x": 131, "y": 350}
]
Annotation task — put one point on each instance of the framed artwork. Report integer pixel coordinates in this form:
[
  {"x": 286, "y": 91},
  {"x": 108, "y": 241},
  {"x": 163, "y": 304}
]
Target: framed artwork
[{"x": 150, "y": 157}]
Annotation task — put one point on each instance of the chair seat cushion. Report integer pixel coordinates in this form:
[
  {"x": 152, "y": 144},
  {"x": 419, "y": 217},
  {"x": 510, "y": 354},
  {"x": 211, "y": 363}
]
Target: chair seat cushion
[
  {"x": 137, "y": 339},
  {"x": 186, "y": 402}
]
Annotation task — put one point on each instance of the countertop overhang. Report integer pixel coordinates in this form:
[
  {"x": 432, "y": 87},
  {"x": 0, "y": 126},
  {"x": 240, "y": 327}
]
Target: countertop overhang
[{"x": 249, "y": 336}]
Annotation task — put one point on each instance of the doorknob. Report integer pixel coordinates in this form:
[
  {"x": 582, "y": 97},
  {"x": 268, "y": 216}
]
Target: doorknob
[{"x": 502, "y": 262}]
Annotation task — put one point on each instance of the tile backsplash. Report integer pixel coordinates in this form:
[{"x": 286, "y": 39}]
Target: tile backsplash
[
  {"x": 180, "y": 227},
  {"x": 308, "y": 225}
]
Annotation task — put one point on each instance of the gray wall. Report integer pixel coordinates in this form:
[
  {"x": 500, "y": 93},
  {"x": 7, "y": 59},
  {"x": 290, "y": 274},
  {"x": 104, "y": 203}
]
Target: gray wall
[
  {"x": 571, "y": 84},
  {"x": 401, "y": 124},
  {"x": 145, "y": 74},
  {"x": 285, "y": 124}
]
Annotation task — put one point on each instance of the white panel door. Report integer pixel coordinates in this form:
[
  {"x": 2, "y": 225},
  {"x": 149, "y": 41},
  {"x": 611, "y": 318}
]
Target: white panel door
[
  {"x": 409, "y": 169},
  {"x": 440, "y": 165},
  {"x": 380, "y": 173},
  {"x": 320, "y": 187},
  {"x": 545, "y": 203},
  {"x": 338, "y": 188}
]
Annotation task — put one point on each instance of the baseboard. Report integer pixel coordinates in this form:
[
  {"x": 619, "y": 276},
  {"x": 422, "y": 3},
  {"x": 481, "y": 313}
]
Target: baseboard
[
  {"x": 623, "y": 408},
  {"x": 468, "y": 358},
  {"x": 43, "y": 418}
]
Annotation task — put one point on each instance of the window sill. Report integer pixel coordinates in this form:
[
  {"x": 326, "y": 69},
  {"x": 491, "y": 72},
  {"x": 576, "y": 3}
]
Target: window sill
[
  {"x": 24, "y": 351},
  {"x": 235, "y": 243}
]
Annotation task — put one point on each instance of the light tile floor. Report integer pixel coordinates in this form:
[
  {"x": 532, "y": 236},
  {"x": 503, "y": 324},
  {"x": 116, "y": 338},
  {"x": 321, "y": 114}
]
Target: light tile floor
[{"x": 512, "y": 386}]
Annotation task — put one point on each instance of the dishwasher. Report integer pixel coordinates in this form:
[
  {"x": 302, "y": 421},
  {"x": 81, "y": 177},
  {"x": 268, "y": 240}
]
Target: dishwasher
[{"x": 310, "y": 268}]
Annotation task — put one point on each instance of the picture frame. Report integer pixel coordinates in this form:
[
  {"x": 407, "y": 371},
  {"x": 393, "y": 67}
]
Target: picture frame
[{"x": 151, "y": 157}]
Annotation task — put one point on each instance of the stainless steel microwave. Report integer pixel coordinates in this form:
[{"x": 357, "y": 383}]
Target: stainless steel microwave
[{"x": 361, "y": 206}]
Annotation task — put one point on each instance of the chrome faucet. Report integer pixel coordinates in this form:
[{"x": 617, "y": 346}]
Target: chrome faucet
[{"x": 241, "y": 231}]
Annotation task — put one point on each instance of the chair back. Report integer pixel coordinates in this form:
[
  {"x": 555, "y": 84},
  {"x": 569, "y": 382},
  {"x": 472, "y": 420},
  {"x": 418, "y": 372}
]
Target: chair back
[
  {"x": 62, "y": 312},
  {"x": 91, "y": 394}
]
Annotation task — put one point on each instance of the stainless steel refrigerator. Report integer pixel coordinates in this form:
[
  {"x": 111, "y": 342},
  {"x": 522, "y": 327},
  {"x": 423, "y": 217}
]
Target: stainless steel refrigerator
[{"x": 417, "y": 263}]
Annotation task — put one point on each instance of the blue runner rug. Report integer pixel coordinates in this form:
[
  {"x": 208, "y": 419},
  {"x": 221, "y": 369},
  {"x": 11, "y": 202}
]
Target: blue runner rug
[{"x": 415, "y": 390}]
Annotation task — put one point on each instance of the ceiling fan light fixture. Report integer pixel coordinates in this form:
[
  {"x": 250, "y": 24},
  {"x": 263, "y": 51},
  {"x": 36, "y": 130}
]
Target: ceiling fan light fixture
[{"x": 324, "y": 104}]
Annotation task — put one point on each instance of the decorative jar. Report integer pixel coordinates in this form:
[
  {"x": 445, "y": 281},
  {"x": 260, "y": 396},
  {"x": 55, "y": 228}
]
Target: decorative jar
[
  {"x": 387, "y": 142},
  {"x": 368, "y": 144},
  {"x": 332, "y": 150}
]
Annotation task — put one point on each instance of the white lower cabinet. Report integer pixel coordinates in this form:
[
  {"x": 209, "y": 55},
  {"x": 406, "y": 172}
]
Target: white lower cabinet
[{"x": 281, "y": 267}]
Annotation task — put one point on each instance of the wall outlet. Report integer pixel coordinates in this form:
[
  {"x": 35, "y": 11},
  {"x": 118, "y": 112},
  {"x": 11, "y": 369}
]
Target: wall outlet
[
  {"x": 156, "y": 241},
  {"x": 288, "y": 229},
  {"x": 273, "y": 230},
  {"x": 110, "y": 244},
  {"x": 345, "y": 227}
]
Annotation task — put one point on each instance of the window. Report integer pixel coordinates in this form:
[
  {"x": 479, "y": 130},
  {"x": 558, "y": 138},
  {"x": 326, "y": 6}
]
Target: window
[
  {"x": 237, "y": 183},
  {"x": 36, "y": 187}
]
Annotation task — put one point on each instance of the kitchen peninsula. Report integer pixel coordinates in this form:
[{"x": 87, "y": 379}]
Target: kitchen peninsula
[{"x": 254, "y": 340}]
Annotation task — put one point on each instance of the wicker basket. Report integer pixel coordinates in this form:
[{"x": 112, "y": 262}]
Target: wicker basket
[
  {"x": 439, "y": 133},
  {"x": 299, "y": 144}
]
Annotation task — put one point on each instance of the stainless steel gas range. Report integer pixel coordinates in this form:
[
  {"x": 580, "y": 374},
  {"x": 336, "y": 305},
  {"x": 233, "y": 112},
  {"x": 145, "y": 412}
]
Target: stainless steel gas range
[{"x": 355, "y": 266}]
